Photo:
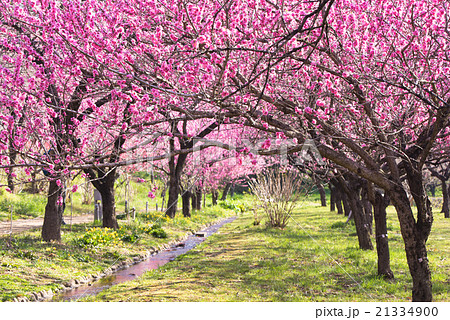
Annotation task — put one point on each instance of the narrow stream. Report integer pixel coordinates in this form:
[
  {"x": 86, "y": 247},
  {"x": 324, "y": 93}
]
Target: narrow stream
[{"x": 136, "y": 270}]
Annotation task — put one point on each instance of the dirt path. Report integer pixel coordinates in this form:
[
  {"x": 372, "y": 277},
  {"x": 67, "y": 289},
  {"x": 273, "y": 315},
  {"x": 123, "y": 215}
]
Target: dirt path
[{"x": 21, "y": 225}]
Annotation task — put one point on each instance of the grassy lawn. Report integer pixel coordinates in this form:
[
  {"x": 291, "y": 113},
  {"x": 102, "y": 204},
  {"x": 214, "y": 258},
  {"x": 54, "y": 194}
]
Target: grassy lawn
[
  {"x": 316, "y": 258},
  {"x": 32, "y": 265}
]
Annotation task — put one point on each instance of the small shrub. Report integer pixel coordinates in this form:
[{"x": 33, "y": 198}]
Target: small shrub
[
  {"x": 277, "y": 194},
  {"x": 156, "y": 231},
  {"x": 133, "y": 237},
  {"x": 96, "y": 237},
  {"x": 159, "y": 233}
]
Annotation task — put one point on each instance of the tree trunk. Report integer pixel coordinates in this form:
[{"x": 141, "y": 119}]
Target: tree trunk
[
  {"x": 338, "y": 200},
  {"x": 225, "y": 192},
  {"x": 332, "y": 198},
  {"x": 174, "y": 184},
  {"x": 445, "y": 198},
  {"x": 433, "y": 190},
  {"x": 173, "y": 196},
  {"x": 194, "y": 200},
  {"x": 204, "y": 200},
  {"x": 185, "y": 198},
  {"x": 214, "y": 196},
  {"x": 345, "y": 203},
  {"x": 108, "y": 204},
  {"x": 380, "y": 204},
  {"x": 415, "y": 235},
  {"x": 362, "y": 227},
  {"x": 415, "y": 229},
  {"x": 353, "y": 191},
  {"x": 368, "y": 213},
  {"x": 51, "y": 229},
  {"x": 198, "y": 199},
  {"x": 323, "y": 198}
]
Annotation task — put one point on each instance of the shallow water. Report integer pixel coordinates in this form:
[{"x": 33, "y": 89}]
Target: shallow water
[{"x": 136, "y": 270}]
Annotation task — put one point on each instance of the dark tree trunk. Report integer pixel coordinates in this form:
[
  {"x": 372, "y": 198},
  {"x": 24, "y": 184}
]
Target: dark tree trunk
[
  {"x": 445, "y": 199},
  {"x": 346, "y": 204},
  {"x": 214, "y": 196},
  {"x": 225, "y": 192},
  {"x": 338, "y": 195},
  {"x": 415, "y": 235},
  {"x": 323, "y": 198},
  {"x": 174, "y": 184},
  {"x": 338, "y": 200},
  {"x": 51, "y": 229},
  {"x": 433, "y": 190},
  {"x": 198, "y": 199},
  {"x": 362, "y": 227},
  {"x": 175, "y": 170},
  {"x": 415, "y": 229},
  {"x": 185, "y": 198},
  {"x": 173, "y": 196},
  {"x": 194, "y": 200},
  {"x": 368, "y": 212},
  {"x": 353, "y": 191},
  {"x": 332, "y": 198},
  {"x": 380, "y": 204},
  {"x": 108, "y": 204},
  {"x": 232, "y": 191}
]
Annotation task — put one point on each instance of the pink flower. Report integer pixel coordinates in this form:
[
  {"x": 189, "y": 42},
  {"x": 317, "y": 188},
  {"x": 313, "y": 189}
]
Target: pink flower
[
  {"x": 151, "y": 195},
  {"x": 173, "y": 38},
  {"x": 74, "y": 188},
  {"x": 266, "y": 144},
  {"x": 308, "y": 110},
  {"x": 280, "y": 135},
  {"x": 320, "y": 103}
]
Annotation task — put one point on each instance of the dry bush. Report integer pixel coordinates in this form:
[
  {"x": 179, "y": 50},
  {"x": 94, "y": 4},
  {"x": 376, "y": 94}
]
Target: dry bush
[{"x": 277, "y": 192}]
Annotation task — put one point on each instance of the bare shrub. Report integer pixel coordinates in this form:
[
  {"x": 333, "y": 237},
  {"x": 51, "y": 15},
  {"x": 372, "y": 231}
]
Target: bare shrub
[{"x": 277, "y": 192}]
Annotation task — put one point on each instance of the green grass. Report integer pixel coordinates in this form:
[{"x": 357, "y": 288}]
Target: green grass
[
  {"x": 316, "y": 258},
  {"x": 23, "y": 205},
  {"x": 32, "y": 265}
]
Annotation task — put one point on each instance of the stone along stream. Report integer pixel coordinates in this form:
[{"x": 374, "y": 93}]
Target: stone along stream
[{"x": 136, "y": 270}]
